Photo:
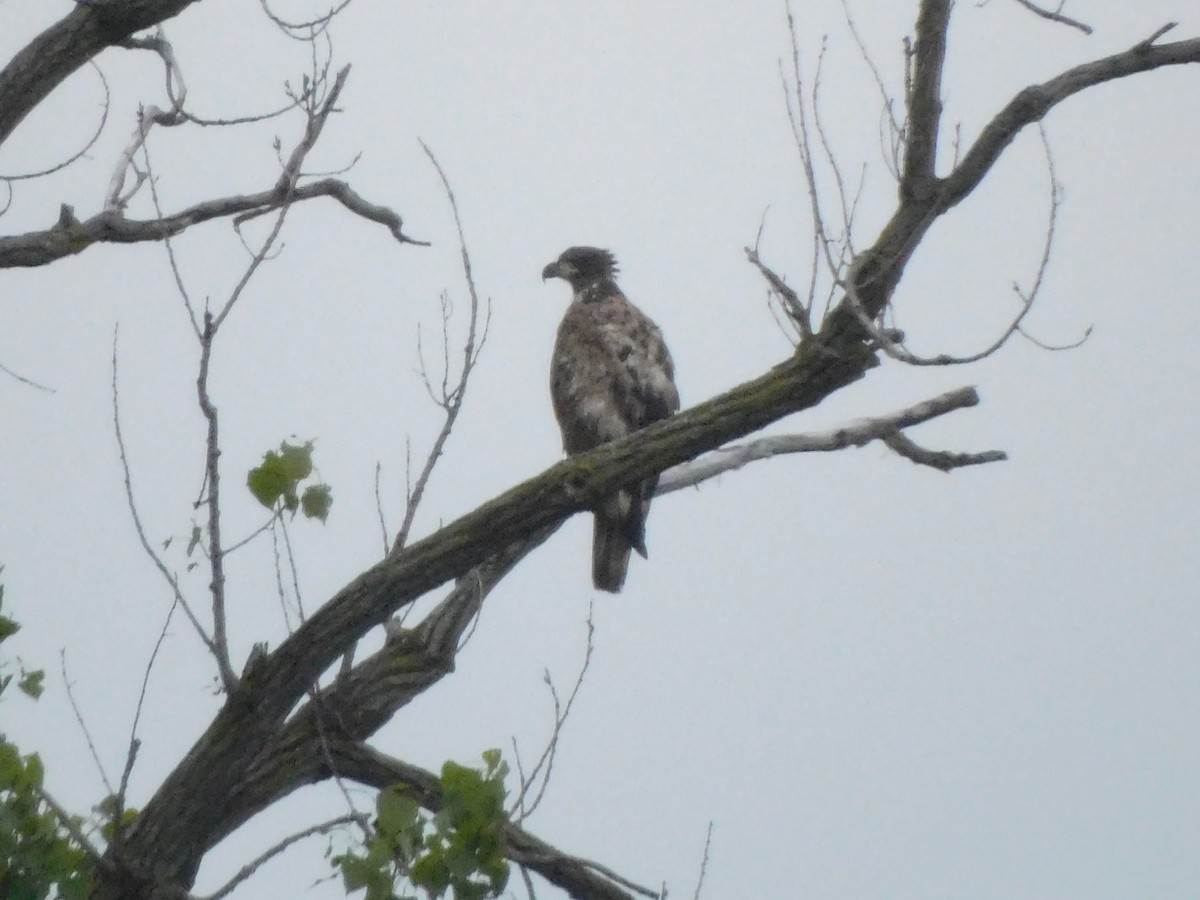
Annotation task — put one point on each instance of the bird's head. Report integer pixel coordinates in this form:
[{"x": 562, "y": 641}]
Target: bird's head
[{"x": 581, "y": 266}]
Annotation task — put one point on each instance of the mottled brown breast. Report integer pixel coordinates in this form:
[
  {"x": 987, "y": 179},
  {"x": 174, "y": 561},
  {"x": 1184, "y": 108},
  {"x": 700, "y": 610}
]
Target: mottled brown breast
[{"x": 611, "y": 372}]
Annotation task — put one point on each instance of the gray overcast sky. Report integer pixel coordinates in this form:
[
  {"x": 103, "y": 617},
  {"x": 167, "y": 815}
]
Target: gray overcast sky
[{"x": 876, "y": 680}]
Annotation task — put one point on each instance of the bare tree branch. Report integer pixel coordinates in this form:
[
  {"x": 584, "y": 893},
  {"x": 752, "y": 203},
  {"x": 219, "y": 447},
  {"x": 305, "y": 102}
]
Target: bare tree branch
[
  {"x": 70, "y": 236},
  {"x": 1055, "y": 15},
  {"x": 857, "y": 434},
  {"x": 1034, "y": 102},
  {"x": 580, "y": 878},
  {"x": 795, "y": 308},
  {"x": 167, "y": 574},
  {"x": 212, "y": 478},
  {"x": 306, "y": 29},
  {"x": 29, "y": 381},
  {"x": 936, "y": 459},
  {"x": 87, "y": 733},
  {"x": 704, "y": 862},
  {"x": 246, "y": 871},
  {"x": 67, "y": 45},
  {"x": 148, "y": 116},
  {"x": 925, "y": 97},
  {"x": 896, "y": 348},
  {"x": 451, "y": 399},
  {"x": 518, "y": 808},
  {"x": 91, "y": 142},
  {"x": 134, "y": 743},
  {"x": 896, "y": 129},
  {"x": 71, "y": 825}
]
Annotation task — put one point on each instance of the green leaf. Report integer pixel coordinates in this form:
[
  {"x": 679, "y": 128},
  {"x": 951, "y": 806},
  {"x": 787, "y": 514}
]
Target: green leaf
[
  {"x": 357, "y": 873},
  {"x": 34, "y": 771},
  {"x": 296, "y": 462},
  {"x": 397, "y": 813},
  {"x": 10, "y": 765},
  {"x": 8, "y": 628},
  {"x": 316, "y": 501},
  {"x": 31, "y": 683},
  {"x": 269, "y": 481}
]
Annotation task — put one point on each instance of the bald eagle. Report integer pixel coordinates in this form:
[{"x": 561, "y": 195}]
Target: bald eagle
[{"x": 610, "y": 375}]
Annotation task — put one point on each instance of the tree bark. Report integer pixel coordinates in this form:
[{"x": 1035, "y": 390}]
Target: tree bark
[{"x": 70, "y": 43}]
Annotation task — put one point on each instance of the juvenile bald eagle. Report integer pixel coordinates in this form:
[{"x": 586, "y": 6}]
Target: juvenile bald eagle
[{"x": 611, "y": 375}]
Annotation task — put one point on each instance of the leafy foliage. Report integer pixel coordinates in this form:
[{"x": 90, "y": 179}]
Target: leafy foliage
[
  {"x": 278, "y": 480},
  {"x": 29, "y": 681},
  {"x": 38, "y": 859},
  {"x": 459, "y": 849}
]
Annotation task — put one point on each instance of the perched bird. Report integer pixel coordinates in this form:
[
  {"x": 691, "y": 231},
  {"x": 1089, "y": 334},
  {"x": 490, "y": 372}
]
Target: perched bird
[{"x": 611, "y": 375}]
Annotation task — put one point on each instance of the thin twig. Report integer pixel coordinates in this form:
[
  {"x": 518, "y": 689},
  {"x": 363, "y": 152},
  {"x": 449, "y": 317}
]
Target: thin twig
[
  {"x": 91, "y": 142},
  {"x": 254, "y": 865},
  {"x": 788, "y": 298},
  {"x": 87, "y": 734},
  {"x": 898, "y": 351},
  {"x": 896, "y": 129},
  {"x": 70, "y": 823},
  {"x": 212, "y": 471},
  {"x": 285, "y": 186},
  {"x": 703, "y": 862},
  {"x": 519, "y": 810},
  {"x": 237, "y": 545},
  {"x": 170, "y": 577},
  {"x": 1056, "y": 348},
  {"x": 280, "y": 590},
  {"x": 799, "y": 122},
  {"x": 358, "y": 818},
  {"x": 451, "y": 398},
  {"x": 379, "y": 507},
  {"x": 21, "y": 378},
  {"x": 1055, "y": 16},
  {"x": 291, "y": 558},
  {"x": 134, "y": 743},
  {"x": 313, "y": 26},
  {"x": 529, "y": 891},
  {"x": 1159, "y": 32},
  {"x": 169, "y": 245},
  {"x": 847, "y": 239}
]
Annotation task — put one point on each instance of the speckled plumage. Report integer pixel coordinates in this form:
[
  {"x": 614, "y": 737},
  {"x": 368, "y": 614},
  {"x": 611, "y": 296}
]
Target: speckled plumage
[{"x": 610, "y": 375}]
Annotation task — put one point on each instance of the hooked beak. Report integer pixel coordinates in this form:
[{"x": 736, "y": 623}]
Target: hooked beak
[{"x": 551, "y": 271}]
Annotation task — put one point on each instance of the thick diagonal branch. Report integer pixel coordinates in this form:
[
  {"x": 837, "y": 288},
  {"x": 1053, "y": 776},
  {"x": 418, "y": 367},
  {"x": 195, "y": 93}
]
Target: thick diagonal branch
[
  {"x": 361, "y": 701},
  {"x": 178, "y": 824}
]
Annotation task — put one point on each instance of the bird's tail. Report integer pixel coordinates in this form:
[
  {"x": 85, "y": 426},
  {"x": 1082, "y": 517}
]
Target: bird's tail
[
  {"x": 610, "y": 554},
  {"x": 620, "y": 527}
]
